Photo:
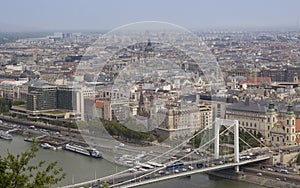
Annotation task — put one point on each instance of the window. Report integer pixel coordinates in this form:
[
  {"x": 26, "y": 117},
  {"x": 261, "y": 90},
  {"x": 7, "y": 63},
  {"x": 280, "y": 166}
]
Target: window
[
  {"x": 287, "y": 138},
  {"x": 287, "y": 130},
  {"x": 287, "y": 122},
  {"x": 268, "y": 120},
  {"x": 277, "y": 139}
]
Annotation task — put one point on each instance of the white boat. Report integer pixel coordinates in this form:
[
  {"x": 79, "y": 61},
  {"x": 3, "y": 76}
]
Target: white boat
[
  {"x": 124, "y": 162},
  {"x": 92, "y": 152},
  {"x": 47, "y": 146},
  {"x": 5, "y": 135},
  {"x": 28, "y": 139}
]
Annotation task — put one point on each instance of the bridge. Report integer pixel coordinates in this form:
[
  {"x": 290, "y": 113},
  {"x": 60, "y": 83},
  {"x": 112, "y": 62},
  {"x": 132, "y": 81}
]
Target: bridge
[
  {"x": 182, "y": 166},
  {"x": 156, "y": 178}
]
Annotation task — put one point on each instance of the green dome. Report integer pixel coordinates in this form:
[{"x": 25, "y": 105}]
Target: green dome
[
  {"x": 290, "y": 111},
  {"x": 271, "y": 108}
]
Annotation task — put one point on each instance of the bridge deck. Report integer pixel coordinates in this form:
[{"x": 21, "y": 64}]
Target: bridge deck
[
  {"x": 138, "y": 181},
  {"x": 188, "y": 173}
]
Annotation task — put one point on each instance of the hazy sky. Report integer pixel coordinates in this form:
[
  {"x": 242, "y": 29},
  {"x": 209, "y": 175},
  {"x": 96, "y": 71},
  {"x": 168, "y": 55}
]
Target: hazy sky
[{"x": 107, "y": 14}]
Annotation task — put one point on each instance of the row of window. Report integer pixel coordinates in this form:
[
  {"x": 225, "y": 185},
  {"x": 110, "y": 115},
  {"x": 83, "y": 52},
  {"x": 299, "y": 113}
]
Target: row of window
[{"x": 283, "y": 140}]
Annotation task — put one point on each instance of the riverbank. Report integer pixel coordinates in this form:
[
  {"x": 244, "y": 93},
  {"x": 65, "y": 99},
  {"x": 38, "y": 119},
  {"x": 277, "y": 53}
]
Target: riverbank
[
  {"x": 36, "y": 124},
  {"x": 267, "y": 179},
  {"x": 271, "y": 179}
]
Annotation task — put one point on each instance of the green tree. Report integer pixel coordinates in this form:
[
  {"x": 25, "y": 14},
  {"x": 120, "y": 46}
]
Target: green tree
[
  {"x": 18, "y": 171},
  {"x": 18, "y": 103},
  {"x": 105, "y": 184}
]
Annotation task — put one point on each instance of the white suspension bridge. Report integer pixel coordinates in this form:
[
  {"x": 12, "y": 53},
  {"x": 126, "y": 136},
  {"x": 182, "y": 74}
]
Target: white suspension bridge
[{"x": 158, "y": 169}]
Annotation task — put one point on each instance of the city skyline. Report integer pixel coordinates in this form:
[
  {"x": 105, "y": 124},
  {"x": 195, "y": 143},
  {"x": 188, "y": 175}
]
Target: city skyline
[{"x": 36, "y": 15}]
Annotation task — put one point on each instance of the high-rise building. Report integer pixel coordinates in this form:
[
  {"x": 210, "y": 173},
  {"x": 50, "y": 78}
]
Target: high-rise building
[
  {"x": 66, "y": 98},
  {"x": 42, "y": 97}
]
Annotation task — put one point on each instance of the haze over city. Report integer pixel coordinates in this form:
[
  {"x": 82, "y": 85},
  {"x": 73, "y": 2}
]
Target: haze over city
[{"x": 36, "y": 15}]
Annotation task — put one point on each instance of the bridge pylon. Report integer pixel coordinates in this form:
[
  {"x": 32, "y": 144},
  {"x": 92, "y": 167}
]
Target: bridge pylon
[{"x": 227, "y": 122}]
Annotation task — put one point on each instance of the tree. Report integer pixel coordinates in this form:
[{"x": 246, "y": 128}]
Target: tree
[
  {"x": 18, "y": 103},
  {"x": 18, "y": 171},
  {"x": 105, "y": 184}
]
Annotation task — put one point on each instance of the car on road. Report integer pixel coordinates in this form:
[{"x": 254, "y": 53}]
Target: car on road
[
  {"x": 284, "y": 171},
  {"x": 200, "y": 165},
  {"x": 278, "y": 179},
  {"x": 161, "y": 172},
  {"x": 184, "y": 169},
  {"x": 270, "y": 169},
  {"x": 121, "y": 145},
  {"x": 132, "y": 170},
  {"x": 259, "y": 174},
  {"x": 176, "y": 171},
  {"x": 190, "y": 168}
]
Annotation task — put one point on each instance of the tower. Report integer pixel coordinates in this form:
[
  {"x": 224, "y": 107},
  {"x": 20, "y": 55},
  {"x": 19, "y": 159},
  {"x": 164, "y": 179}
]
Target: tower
[
  {"x": 141, "y": 111},
  {"x": 290, "y": 125},
  {"x": 271, "y": 120}
]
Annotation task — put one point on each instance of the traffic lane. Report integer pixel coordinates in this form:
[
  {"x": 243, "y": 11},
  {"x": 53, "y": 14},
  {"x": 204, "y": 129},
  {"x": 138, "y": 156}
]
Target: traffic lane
[{"x": 289, "y": 177}]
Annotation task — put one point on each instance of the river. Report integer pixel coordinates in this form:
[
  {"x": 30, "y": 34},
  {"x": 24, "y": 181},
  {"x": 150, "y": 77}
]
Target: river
[{"x": 80, "y": 168}]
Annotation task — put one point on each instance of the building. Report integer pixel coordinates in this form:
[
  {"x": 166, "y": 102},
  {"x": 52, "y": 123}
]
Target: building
[
  {"x": 13, "y": 90},
  {"x": 178, "y": 120},
  {"x": 42, "y": 97},
  {"x": 283, "y": 132},
  {"x": 285, "y": 74},
  {"x": 275, "y": 127},
  {"x": 50, "y": 102},
  {"x": 66, "y": 98}
]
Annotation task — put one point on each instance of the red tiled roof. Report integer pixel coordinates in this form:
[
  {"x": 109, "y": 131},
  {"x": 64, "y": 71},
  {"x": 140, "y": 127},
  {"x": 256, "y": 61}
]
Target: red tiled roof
[
  {"x": 251, "y": 80},
  {"x": 7, "y": 80}
]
